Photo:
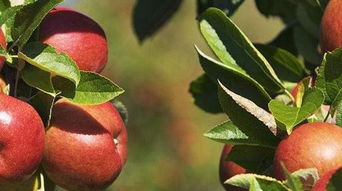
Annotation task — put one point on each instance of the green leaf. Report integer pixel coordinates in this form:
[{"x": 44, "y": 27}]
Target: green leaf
[
  {"x": 292, "y": 116},
  {"x": 228, "y": 6},
  {"x": 234, "y": 80},
  {"x": 293, "y": 182},
  {"x": 330, "y": 77},
  {"x": 285, "y": 9},
  {"x": 43, "y": 104},
  {"x": 92, "y": 89},
  {"x": 307, "y": 46},
  {"x": 227, "y": 132},
  {"x": 234, "y": 49},
  {"x": 335, "y": 182},
  {"x": 29, "y": 18},
  {"x": 285, "y": 65},
  {"x": 308, "y": 177},
  {"x": 39, "y": 79},
  {"x": 285, "y": 40},
  {"x": 257, "y": 182},
  {"x": 9, "y": 13},
  {"x": 253, "y": 121},
  {"x": 150, "y": 15},
  {"x": 4, "y": 4},
  {"x": 339, "y": 115},
  {"x": 204, "y": 92},
  {"x": 4, "y": 53},
  {"x": 46, "y": 58},
  {"x": 253, "y": 158},
  {"x": 309, "y": 15}
]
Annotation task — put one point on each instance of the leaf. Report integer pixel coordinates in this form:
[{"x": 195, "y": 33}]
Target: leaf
[
  {"x": 253, "y": 158},
  {"x": 4, "y": 53},
  {"x": 285, "y": 65},
  {"x": 227, "y": 132},
  {"x": 204, "y": 92},
  {"x": 285, "y": 40},
  {"x": 39, "y": 79},
  {"x": 9, "y": 13},
  {"x": 307, "y": 176},
  {"x": 92, "y": 89},
  {"x": 309, "y": 15},
  {"x": 339, "y": 115},
  {"x": 251, "y": 120},
  {"x": 335, "y": 182},
  {"x": 43, "y": 104},
  {"x": 46, "y": 58},
  {"x": 293, "y": 182},
  {"x": 292, "y": 116},
  {"x": 285, "y": 9},
  {"x": 330, "y": 77},
  {"x": 257, "y": 182},
  {"x": 307, "y": 46},
  {"x": 29, "y": 18},
  {"x": 234, "y": 80},
  {"x": 150, "y": 15},
  {"x": 4, "y": 4},
  {"x": 227, "y": 6},
  {"x": 235, "y": 50}
]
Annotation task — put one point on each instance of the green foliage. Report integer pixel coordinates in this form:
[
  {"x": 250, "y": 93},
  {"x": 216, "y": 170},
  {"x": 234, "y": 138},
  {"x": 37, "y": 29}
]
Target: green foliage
[
  {"x": 335, "y": 182},
  {"x": 228, "y": 6},
  {"x": 292, "y": 116},
  {"x": 235, "y": 49},
  {"x": 150, "y": 15}
]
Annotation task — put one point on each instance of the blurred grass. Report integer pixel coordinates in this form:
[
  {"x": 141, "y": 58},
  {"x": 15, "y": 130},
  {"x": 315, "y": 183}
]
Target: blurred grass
[{"x": 167, "y": 151}]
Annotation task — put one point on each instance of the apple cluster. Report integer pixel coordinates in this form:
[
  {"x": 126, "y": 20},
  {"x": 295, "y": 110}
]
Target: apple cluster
[
  {"x": 315, "y": 145},
  {"x": 84, "y": 147}
]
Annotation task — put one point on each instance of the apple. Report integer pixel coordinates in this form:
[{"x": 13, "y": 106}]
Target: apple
[
  {"x": 331, "y": 31},
  {"x": 86, "y": 146},
  {"x": 3, "y": 44},
  {"x": 229, "y": 169},
  {"x": 21, "y": 140},
  {"x": 311, "y": 145},
  {"x": 322, "y": 183},
  {"x": 76, "y": 35}
]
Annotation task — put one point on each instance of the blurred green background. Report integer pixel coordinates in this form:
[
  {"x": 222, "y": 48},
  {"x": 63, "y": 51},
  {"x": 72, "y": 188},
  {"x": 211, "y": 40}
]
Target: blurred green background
[{"x": 167, "y": 151}]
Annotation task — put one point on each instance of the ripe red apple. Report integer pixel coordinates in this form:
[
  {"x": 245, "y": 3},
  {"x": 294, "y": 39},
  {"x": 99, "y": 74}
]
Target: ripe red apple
[
  {"x": 78, "y": 36},
  {"x": 21, "y": 140},
  {"x": 3, "y": 44},
  {"x": 331, "y": 31},
  {"x": 311, "y": 145},
  {"x": 322, "y": 183},
  {"x": 229, "y": 169},
  {"x": 86, "y": 146}
]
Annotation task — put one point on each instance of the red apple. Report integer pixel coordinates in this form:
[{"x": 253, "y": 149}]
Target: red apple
[
  {"x": 3, "y": 44},
  {"x": 331, "y": 30},
  {"x": 322, "y": 183},
  {"x": 78, "y": 36},
  {"x": 21, "y": 140},
  {"x": 311, "y": 145},
  {"x": 229, "y": 169},
  {"x": 86, "y": 146}
]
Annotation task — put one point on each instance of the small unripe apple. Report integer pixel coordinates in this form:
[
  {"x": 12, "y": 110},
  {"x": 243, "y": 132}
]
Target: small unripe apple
[
  {"x": 331, "y": 30},
  {"x": 311, "y": 145},
  {"x": 76, "y": 35},
  {"x": 4, "y": 45},
  {"x": 321, "y": 184},
  {"x": 21, "y": 140},
  {"x": 86, "y": 146},
  {"x": 229, "y": 169}
]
